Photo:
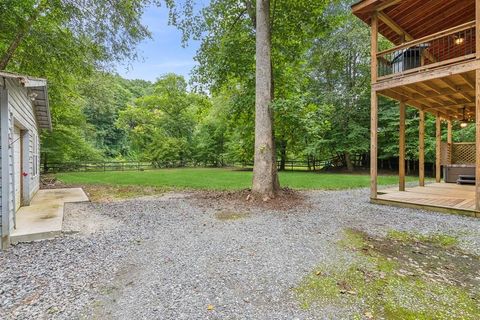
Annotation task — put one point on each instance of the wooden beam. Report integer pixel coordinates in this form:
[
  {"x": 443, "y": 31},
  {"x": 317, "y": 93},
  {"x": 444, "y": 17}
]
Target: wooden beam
[
  {"x": 426, "y": 74},
  {"x": 374, "y": 111},
  {"x": 438, "y": 146},
  {"x": 477, "y": 107},
  {"x": 449, "y": 141},
  {"x": 468, "y": 81},
  {"x": 440, "y": 95},
  {"x": 454, "y": 88},
  {"x": 421, "y": 149},
  {"x": 395, "y": 95},
  {"x": 374, "y": 48},
  {"x": 387, "y": 4},
  {"x": 362, "y": 5},
  {"x": 401, "y": 151},
  {"x": 394, "y": 26}
]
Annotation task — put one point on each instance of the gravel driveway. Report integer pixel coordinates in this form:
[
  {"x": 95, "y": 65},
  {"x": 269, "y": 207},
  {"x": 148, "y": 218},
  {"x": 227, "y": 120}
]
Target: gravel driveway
[{"x": 174, "y": 257}]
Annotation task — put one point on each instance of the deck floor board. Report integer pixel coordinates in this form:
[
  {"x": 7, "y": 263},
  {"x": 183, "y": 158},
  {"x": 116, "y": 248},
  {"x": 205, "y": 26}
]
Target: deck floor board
[{"x": 444, "y": 195}]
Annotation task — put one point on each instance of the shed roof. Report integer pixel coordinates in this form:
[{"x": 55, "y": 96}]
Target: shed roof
[
  {"x": 38, "y": 94},
  {"x": 418, "y": 18}
]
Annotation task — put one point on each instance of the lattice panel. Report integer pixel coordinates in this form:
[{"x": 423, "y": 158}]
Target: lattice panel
[
  {"x": 446, "y": 155},
  {"x": 463, "y": 153}
]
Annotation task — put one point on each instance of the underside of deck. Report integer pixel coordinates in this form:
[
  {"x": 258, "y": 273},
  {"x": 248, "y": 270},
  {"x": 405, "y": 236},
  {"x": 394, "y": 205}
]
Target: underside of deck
[
  {"x": 449, "y": 94},
  {"x": 443, "y": 197}
]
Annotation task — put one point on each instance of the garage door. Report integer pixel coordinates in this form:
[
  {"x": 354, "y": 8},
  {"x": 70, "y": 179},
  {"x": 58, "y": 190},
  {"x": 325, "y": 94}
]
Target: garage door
[{"x": 17, "y": 166}]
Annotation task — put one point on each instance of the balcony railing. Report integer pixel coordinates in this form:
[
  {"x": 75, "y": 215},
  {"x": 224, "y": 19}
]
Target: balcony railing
[{"x": 445, "y": 47}]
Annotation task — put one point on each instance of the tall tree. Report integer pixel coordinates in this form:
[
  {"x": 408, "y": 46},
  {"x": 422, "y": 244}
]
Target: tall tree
[
  {"x": 265, "y": 178},
  {"x": 102, "y": 30}
]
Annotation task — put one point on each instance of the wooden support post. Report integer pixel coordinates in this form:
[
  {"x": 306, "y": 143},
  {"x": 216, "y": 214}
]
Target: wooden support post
[
  {"x": 401, "y": 151},
  {"x": 421, "y": 149},
  {"x": 477, "y": 107},
  {"x": 438, "y": 146},
  {"x": 374, "y": 109},
  {"x": 449, "y": 141}
]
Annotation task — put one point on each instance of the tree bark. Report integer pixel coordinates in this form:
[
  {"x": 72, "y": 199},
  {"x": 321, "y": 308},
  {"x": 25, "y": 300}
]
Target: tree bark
[
  {"x": 348, "y": 162},
  {"x": 265, "y": 178}
]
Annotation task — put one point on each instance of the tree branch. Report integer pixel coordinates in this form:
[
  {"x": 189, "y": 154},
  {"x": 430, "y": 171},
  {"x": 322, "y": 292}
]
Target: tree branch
[{"x": 24, "y": 30}]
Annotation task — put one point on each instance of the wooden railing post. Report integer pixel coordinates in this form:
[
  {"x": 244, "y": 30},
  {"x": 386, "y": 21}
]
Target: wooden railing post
[
  {"x": 449, "y": 141},
  {"x": 374, "y": 108},
  {"x": 438, "y": 146},
  {"x": 401, "y": 151},
  {"x": 477, "y": 107},
  {"x": 421, "y": 149}
]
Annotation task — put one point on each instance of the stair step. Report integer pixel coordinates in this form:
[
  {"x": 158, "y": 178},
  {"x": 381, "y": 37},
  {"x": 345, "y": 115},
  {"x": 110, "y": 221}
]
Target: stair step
[
  {"x": 460, "y": 181},
  {"x": 466, "y": 177}
]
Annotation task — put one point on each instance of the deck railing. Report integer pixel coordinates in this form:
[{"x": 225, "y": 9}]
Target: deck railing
[{"x": 445, "y": 47}]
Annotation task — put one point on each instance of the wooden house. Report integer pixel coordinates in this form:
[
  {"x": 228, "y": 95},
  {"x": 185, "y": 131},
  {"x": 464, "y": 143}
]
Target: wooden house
[
  {"x": 432, "y": 65},
  {"x": 24, "y": 112}
]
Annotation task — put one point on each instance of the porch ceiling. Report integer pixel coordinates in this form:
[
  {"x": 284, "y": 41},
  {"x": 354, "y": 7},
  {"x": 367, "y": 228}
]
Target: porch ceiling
[
  {"x": 417, "y": 18},
  {"x": 447, "y": 96}
]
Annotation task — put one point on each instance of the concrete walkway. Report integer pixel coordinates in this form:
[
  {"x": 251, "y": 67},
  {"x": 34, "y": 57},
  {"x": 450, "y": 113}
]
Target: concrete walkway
[{"x": 43, "y": 218}]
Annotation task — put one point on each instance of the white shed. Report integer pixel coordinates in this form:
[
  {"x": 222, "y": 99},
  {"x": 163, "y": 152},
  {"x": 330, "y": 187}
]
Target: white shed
[{"x": 24, "y": 112}]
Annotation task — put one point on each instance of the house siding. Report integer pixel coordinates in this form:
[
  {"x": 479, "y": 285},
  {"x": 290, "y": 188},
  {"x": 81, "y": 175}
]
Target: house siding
[
  {"x": 5, "y": 226},
  {"x": 21, "y": 114}
]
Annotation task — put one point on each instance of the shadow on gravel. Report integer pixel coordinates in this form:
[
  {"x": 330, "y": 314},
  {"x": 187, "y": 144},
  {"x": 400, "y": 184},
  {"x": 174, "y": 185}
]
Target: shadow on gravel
[{"x": 401, "y": 276}]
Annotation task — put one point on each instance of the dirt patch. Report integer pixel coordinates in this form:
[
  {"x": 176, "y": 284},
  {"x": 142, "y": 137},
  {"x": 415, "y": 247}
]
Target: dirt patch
[
  {"x": 286, "y": 199},
  {"x": 79, "y": 219},
  {"x": 406, "y": 277},
  {"x": 231, "y": 215},
  {"x": 432, "y": 258}
]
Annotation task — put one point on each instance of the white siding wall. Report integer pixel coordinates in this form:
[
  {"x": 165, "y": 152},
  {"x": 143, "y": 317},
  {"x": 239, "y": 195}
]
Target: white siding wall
[
  {"x": 21, "y": 113},
  {"x": 1, "y": 211}
]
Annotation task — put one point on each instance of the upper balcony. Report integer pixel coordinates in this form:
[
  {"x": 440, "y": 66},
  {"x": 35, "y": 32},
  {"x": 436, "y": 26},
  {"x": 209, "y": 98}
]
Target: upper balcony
[
  {"x": 443, "y": 48},
  {"x": 425, "y": 35}
]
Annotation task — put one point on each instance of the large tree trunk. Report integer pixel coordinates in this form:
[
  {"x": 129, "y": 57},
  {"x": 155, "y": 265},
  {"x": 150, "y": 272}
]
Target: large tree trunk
[
  {"x": 348, "y": 162},
  {"x": 265, "y": 178}
]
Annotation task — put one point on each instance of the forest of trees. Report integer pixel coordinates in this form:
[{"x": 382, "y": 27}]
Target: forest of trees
[{"x": 321, "y": 77}]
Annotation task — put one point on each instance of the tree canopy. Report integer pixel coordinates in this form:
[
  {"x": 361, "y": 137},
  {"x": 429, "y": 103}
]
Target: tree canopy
[{"x": 320, "y": 83}]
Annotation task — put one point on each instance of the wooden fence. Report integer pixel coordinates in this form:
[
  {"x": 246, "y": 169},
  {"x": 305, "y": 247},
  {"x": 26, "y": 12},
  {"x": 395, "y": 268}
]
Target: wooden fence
[{"x": 105, "y": 166}]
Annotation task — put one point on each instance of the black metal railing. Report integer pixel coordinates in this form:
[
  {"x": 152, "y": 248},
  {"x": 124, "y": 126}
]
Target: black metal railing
[{"x": 449, "y": 46}]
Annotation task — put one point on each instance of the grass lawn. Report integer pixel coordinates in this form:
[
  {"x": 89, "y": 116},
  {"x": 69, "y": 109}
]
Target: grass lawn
[{"x": 220, "y": 179}]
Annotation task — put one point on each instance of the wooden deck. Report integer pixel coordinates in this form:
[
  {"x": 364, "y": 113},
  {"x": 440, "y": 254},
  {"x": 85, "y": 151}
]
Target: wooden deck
[{"x": 443, "y": 197}]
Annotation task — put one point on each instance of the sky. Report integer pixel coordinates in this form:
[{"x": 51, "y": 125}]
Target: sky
[{"x": 161, "y": 54}]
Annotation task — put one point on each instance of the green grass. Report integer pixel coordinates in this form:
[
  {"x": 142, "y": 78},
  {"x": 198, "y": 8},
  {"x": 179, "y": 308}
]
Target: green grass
[
  {"x": 375, "y": 284},
  {"x": 438, "y": 239},
  {"x": 220, "y": 179}
]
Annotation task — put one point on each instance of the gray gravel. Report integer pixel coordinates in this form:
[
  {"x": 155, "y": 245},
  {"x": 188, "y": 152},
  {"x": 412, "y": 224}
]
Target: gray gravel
[{"x": 170, "y": 258}]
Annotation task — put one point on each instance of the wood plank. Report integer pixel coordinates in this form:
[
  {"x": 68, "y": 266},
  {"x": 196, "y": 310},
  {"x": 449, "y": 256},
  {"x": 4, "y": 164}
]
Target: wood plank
[
  {"x": 446, "y": 195},
  {"x": 426, "y": 74},
  {"x": 374, "y": 111},
  {"x": 394, "y": 26},
  {"x": 428, "y": 38},
  {"x": 438, "y": 146},
  {"x": 401, "y": 152},
  {"x": 468, "y": 81},
  {"x": 449, "y": 141},
  {"x": 477, "y": 107},
  {"x": 421, "y": 149}
]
